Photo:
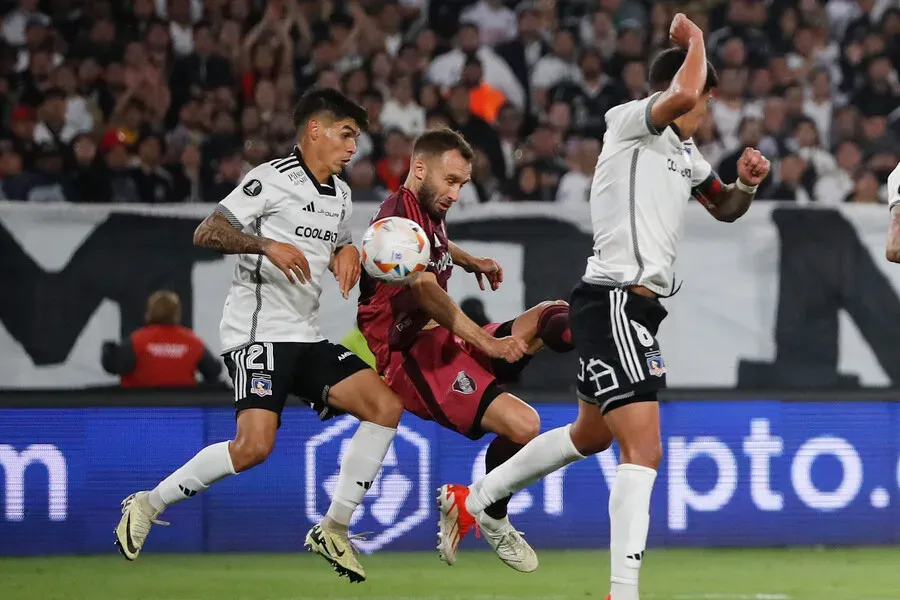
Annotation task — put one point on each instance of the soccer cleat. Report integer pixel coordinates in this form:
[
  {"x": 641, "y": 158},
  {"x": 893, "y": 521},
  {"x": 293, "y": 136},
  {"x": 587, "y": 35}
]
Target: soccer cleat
[
  {"x": 337, "y": 549},
  {"x": 455, "y": 520},
  {"x": 137, "y": 518},
  {"x": 510, "y": 546}
]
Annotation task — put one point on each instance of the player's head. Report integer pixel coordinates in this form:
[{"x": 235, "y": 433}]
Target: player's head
[
  {"x": 163, "y": 308},
  {"x": 662, "y": 72},
  {"x": 328, "y": 124},
  {"x": 441, "y": 164}
]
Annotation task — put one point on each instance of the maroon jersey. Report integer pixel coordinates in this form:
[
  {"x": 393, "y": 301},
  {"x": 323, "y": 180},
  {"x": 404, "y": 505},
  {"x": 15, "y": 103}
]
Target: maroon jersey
[{"x": 389, "y": 316}]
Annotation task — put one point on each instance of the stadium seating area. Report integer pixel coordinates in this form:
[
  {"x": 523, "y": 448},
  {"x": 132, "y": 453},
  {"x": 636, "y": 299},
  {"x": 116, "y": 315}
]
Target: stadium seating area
[{"x": 163, "y": 101}]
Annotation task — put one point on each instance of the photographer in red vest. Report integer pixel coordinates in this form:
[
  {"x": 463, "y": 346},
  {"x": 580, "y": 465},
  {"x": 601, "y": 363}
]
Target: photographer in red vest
[{"x": 163, "y": 353}]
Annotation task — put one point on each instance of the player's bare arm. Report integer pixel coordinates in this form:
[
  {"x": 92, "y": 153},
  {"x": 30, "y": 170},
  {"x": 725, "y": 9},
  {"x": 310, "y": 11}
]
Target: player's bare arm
[
  {"x": 216, "y": 233},
  {"x": 728, "y": 203},
  {"x": 346, "y": 266},
  {"x": 441, "y": 307},
  {"x": 488, "y": 267},
  {"x": 689, "y": 82},
  {"x": 892, "y": 251}
]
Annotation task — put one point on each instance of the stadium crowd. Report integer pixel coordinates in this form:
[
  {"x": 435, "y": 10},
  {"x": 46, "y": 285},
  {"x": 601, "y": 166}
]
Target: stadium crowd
[{"x": 165, "y": 101}]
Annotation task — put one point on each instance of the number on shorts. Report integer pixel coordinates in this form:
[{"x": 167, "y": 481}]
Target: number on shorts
[
  {"x": 254, "y": 352},
  {"x": 596, "y": 371},
  {"x": 644, "y": 335}
]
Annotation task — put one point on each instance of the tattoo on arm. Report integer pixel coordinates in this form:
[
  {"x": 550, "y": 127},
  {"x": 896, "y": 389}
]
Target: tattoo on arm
[
  {"x": 216, "y": 233},
  {"x": 724, "y": 202}
]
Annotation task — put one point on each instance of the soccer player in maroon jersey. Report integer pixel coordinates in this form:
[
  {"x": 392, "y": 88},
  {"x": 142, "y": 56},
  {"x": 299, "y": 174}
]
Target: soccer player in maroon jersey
[{"x": 444, "y": 366}]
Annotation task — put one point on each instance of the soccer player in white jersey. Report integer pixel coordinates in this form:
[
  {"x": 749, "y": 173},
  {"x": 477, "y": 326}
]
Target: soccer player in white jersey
[
  {"x": 288, "y": 223},
  {"x": 893, "y": 243},
  {"x": 648, "y": 170}
]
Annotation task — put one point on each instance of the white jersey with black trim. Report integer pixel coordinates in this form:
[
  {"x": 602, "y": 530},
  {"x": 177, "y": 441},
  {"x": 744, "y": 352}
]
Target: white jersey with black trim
[
  {"x": 641, "y": 186},
  {"x": 282, "y": 201},
  {"x": 893, "y": 187}
]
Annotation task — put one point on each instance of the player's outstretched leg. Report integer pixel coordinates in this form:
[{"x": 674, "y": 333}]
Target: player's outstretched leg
[
  {"x": 544, "y": 454},
  {"x": 365, "y": 396},
  {"x": 515, "y": 423},
  {"x": 636, "y": 429},
  {"x": 256, "y": 429}
]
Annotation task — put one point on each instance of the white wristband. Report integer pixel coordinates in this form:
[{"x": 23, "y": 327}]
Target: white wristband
[{"x": 749, "y": 189}]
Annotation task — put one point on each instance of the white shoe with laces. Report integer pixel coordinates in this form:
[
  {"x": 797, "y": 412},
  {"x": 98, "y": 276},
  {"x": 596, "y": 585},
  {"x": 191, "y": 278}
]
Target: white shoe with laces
[
  {"x": 508, "y": 543},
  {"x": 138, "y": 516}
]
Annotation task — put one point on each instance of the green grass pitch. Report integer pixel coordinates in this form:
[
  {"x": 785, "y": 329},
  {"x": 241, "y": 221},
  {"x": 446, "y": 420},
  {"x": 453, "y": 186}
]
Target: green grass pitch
[{"x": 789, "y": 574}]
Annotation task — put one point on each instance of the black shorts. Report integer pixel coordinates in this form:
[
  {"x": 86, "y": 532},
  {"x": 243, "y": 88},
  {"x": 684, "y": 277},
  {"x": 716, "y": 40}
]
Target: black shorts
[
  {"x": 264, "y": 373},
  {"x": 614, "y": 333}
]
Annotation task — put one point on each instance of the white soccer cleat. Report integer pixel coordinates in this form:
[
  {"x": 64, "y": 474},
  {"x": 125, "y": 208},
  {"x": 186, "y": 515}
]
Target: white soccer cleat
[
  {"x": 509, "y": 545},
  {"x": 337, "y": 549},
  {"x": 138, "y": 516},
  {"x": 454, "y": 522}
]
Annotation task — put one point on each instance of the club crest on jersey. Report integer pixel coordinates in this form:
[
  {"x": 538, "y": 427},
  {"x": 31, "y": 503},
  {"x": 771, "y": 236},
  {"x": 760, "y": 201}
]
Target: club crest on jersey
[
  {"x": 655, "y": 365},
  {"x": 252, "y": 187},
  {"x": 464, "y": 384},
  {"x": 261, "y": 385}
]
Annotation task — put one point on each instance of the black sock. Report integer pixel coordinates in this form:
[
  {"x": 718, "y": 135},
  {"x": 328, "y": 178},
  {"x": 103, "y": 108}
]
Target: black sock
[{"x": 500, "y": 450}]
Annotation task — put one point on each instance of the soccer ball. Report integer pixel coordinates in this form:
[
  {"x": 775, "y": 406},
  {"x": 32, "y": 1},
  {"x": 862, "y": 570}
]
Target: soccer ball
[{"x": 395, "y": 250}]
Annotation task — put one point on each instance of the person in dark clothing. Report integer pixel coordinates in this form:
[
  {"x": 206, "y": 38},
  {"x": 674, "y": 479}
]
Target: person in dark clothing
[
  {"x": 226, "y": 177},
  {"x": 523, "y": 52},
  {"x": 90, "y": 181},
  {"x": 163, "y": 353},
  {"x": 201, "y": 70},
  {"x": 475, "y": 130},
  {"x": 154, "y": 183}
]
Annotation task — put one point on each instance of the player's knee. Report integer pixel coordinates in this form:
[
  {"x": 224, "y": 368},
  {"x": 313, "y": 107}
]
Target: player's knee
[
  {"x": 526, "y": 427},
  {"x": 645, "y": 454},
  {"x": 246, "y": 454},
  {"x": 384, "y": 408},
  {"x": 589, "y": 442}
]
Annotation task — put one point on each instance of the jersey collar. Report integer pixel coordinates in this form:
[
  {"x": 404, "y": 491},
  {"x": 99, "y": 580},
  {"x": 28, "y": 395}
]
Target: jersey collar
[{"x": 323, "y": 190}]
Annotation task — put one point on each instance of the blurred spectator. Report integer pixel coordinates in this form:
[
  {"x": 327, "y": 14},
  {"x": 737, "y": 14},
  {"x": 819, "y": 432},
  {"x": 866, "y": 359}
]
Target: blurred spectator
[
  {"x": 484, "y": 187},
  {"x": 401, "y": 111},
  {"x": 791, "y": 174},
  {"x": 364, "y": 183},
  {"x": 834, "y": 186},
  {"x": 708, "y": 141},
  {"x": 394, "y": 166},
  {"x": 865, "y": 190},
  {"x": 446, "y": 69},
  {"x": 476, "y": 130},
  {"x": 496, "y": 22},
  {"x": 524, "y": 51},
  {"x": 575, "y": 186},
  {"x": 805, "y": 142},
  {"x": 509, "y": 130},
  {"x": 16, "y": 22},
  {"x": 484, "y": 101},
  {"x": 163, "y": 353},
  {"x": 226, "y": 177},
  {"x": 591, "y": 96},
  {"x": 558, "y": 66},
  {"x": 153, "y": 183}
]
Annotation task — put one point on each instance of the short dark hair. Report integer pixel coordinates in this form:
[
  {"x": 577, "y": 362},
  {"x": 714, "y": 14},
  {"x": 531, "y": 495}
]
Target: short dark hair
[
  {"x": 435, "y": 142},
  {"x": 330, "y": 101},
  {"x": 666, "y": 65}
]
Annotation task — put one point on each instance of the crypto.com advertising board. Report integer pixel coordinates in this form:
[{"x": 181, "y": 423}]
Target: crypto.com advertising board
[{"x": 734, "y": 473}]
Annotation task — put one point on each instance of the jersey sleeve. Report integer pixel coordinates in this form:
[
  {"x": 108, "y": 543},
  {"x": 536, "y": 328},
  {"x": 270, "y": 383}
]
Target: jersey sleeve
[
  {"x": 893, "y": 185},
  {"x": 345, "y": 236},
  {"x": 248, "y": 200},
  {"x": 631, "y": 121},
  {"x": 700, "y": 167}
]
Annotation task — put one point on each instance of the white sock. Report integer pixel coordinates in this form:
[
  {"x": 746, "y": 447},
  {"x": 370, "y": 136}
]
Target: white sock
[
  {"x": 209, "y": 466},
  {"x": 541, "y": 456},
  {"x": 359, "y": 467},
  {"x": 629, "y": 518}
]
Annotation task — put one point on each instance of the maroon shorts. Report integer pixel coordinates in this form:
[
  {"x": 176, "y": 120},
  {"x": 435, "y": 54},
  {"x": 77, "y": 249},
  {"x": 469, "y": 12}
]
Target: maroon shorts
[{"x": 443, "y": 379}]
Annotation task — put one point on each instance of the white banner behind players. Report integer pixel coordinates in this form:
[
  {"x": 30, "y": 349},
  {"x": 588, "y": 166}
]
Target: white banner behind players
[{"x": 782, "y": 298}]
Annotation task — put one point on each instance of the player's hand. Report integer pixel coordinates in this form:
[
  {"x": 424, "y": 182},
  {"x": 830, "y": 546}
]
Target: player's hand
[
  {"x": 346, "y": 266},
  {"x": 289, "y": 259},
  {"x": 683, "y": 31},
  {"x": 490, "y": 269},
  {"x": 509, "y": 348},
  {"x": 752, "y": 167}
]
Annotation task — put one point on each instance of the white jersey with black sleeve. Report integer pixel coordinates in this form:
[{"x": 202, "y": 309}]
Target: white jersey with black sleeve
[
  {"x": 641, "y": 186},
  {"x": 893, "y": 187},
  {"x": 282, "y": 201}
]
